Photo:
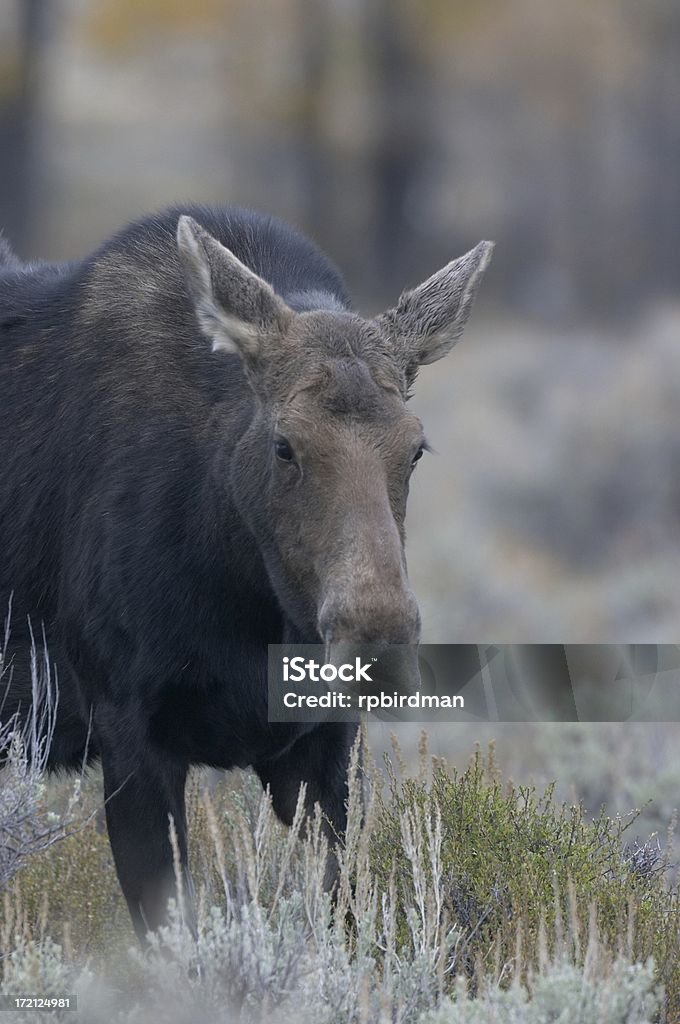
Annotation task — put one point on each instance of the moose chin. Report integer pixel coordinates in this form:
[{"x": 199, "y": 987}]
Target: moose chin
[{"x": 205, "y": 451}]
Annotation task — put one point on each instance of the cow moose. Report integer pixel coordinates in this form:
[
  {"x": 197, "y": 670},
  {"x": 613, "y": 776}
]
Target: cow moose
[{"x": 203, "y": 450}]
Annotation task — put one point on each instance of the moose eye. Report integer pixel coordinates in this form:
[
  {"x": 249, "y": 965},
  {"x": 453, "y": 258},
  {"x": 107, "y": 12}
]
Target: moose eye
[
  {"x": 418, "y": 456},
  {"x": 283, "y": 450}
]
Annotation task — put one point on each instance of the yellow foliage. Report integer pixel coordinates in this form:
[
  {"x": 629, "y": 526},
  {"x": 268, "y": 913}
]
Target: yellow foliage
[{"x": 120, "y": 24}]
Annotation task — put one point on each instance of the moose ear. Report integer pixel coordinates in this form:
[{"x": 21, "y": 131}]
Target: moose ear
[
  {"x": 428, "y": 320},
  {"x": 234, "y": 306}
]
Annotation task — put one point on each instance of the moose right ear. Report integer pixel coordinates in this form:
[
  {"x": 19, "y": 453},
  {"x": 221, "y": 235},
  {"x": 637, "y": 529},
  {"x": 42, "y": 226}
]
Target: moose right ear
[
  {"x": 235, "y": 307},
  {"x": 429, "y": 319}
]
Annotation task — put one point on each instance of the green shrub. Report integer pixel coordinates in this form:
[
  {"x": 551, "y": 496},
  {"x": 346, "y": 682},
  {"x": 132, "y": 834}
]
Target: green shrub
[{"x": 503, "y": 859}]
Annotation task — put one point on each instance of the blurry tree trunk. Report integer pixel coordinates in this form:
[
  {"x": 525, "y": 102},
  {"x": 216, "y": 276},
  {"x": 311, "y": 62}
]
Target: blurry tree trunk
[
  {"x": 18, "y": 115},
  {"x": 664, "y": 127},
  {"x": 315, "y": 163},
  {"x": 402, "y": 138}
]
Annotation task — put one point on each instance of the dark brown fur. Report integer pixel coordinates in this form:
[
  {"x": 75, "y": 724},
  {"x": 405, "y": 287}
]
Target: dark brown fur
[{"x": 150, "y": 521}]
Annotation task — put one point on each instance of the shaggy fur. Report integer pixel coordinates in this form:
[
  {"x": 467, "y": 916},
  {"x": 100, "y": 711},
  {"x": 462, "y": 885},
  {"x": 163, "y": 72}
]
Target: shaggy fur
[{"x": 149, "y": 525}]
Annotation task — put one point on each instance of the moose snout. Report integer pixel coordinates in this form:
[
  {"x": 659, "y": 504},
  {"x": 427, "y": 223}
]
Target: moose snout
[
  {"x": 375, "y": 615},
  {"x": 380, "y": 629}
]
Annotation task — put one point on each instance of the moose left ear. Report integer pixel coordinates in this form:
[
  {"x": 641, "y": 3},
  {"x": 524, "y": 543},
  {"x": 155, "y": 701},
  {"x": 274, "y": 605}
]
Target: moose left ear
[
  {"x": 428, "y": 320},
  {"x": 236, "y": 308}
]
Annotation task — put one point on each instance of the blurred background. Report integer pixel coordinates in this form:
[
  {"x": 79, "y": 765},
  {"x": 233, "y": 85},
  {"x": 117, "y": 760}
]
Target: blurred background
[{"x": 398, "y": 133}]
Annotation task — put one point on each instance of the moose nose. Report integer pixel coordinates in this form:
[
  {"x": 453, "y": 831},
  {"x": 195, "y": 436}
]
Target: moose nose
[
  {"x": 383, "y": 629},
  {"x": 374, "y": 616}
]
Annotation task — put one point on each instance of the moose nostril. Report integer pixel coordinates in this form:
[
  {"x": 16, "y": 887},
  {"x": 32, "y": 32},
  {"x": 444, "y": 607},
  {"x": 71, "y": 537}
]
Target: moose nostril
[{"x": 386, "y": 618}]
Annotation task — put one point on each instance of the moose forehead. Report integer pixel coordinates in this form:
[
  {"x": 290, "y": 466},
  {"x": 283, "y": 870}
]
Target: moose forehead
[
  {"x": 349, "y": 389},
  {"x": 345, "y": 380},
  {"x": 345, "y": 361},
  {"x": 344, "y": 409}
]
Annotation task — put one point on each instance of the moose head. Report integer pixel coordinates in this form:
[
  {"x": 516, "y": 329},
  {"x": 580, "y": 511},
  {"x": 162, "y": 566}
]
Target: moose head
[{"x": 321, "y": 475}]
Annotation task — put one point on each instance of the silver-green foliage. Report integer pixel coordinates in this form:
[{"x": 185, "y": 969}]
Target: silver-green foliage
[
  {"x": 270, "y": 946},
  {"x": 562, "y": 994},
  {"x": 26, "y": 825}
]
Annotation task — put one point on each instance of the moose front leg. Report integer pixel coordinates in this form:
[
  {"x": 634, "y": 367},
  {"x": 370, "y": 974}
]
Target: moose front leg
[
  {"x": 320, "y": 759},
  {"x": 144, "y": 788}
]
